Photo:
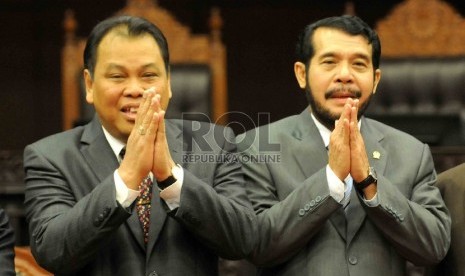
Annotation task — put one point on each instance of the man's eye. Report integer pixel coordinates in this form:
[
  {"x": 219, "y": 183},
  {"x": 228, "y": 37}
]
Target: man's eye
[
  {"x": 149, "y": 75},
  {"x": 360, "y": 64},
  {"x": 328, "y": 62}
]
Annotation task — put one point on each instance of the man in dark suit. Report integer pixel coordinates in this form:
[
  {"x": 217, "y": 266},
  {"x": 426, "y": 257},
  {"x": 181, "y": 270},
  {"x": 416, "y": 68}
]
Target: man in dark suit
[
  {"x": 337, "y": 193},
  {"x": 451, "y": 183},
  {"x": 90, "y": 215},
  {"x": 7, "y": 243}
]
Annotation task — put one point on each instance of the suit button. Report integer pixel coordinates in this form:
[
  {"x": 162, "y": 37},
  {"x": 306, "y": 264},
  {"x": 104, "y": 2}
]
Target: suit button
[
  {"x": 307, "y": 207},
  {"x": 106, "y": 211},
  {"x": 153, "y": 273},
  {"x": 301, "y": 212},
  {"x": 97, "y": 222},
  {"x": 101, "y": 218},
  {"x": 318, "y": 199},
  {"x": 353, "y": 260},
  {"x": 312, "y": 203}
]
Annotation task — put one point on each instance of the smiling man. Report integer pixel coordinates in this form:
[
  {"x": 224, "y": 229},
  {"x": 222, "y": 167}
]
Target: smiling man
[
  {"x": 113, "y": 197},
  {"x": 350, "y": 196}
]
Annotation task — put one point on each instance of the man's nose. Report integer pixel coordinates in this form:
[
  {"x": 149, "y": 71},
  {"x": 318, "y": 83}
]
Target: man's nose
[
  {"x": 344, "y": 74},
  {"x": 134, "y": 89}
]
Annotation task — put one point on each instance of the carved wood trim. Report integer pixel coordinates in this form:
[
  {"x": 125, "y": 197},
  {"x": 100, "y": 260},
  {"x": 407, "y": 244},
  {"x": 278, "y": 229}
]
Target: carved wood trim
[{"x": 422, "y": 28}]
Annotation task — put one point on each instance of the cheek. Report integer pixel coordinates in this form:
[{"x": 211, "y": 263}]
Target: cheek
[
  {"x": 165, "y": 94},
  {"x": 367, "y": 87},
  {"x": 107, "y": 97},
  {"x": 318, "y": 87}
]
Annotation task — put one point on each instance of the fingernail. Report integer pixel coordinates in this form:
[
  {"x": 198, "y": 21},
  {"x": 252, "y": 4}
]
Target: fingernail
[{"x": 150, "y": 90}]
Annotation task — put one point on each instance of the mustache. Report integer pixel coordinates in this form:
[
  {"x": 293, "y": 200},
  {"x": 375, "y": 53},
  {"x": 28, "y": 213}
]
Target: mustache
[{"x": 353, "y": 93}]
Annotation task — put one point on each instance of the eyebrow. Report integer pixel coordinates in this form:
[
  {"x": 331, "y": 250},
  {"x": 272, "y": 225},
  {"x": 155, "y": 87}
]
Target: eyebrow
[
  {"x": 120, "y": 67},
  {"x": 357, "y": 55}
]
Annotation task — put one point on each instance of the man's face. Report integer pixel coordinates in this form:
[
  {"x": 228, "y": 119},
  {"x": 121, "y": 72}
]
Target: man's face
[
  {"x": 340, "y": 68},
  {"x": 125, "y": 67}
]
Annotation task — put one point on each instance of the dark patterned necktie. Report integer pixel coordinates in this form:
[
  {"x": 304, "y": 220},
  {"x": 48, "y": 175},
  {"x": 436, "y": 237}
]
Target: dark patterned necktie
[
  {"x": 143, "y": 206},
  {"x": 143, "y": 202}
]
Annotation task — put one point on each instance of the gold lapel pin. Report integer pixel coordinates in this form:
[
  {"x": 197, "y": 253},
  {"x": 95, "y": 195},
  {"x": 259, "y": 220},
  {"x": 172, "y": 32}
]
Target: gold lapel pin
[{"x": 376, "y": 154}]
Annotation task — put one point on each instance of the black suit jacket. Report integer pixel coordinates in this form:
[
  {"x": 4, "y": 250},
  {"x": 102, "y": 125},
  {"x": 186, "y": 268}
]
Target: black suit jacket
[
  {"x": 7, "y": 243},
  {"x": 78, "y": 228}
]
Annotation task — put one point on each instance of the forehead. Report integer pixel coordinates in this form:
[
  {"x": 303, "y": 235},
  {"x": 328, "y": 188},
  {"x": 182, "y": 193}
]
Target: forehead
[
  {"x": 330, "y": 40},
  {"x": 117, "y": 43}
]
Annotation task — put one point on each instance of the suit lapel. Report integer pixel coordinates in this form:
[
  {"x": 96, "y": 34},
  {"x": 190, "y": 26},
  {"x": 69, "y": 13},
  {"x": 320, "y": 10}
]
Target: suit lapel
[
  {"x": 102, "y": 161},
  {"x": 339, "y": 221},
  {"x": 311, "y": 155},
  {"x": 158, "y": 214},
  {"x": 135, "y": 227},
  {"x": 377, "y": 156},
  {"x": 309, "y": 151},
  {"x": 355, "y": 216},
  {"x": 97, "y": 152}
]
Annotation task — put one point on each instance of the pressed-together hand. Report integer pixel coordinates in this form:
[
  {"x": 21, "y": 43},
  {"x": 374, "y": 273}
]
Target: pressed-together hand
[
  {"x": 146, "y": 138},
  {"x": 162, "y": 161},
  {"x": 347, "y": 154},
  {"x": 339, "y": 144}
]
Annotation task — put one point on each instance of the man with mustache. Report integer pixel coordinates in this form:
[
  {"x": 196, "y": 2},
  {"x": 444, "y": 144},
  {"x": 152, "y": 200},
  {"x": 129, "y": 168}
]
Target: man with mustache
[{"x": 347, "y": 195}]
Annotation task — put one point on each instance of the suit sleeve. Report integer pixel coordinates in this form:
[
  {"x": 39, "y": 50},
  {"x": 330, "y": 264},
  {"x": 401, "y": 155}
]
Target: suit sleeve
[
  {"x": 287, "y": 224},
  {"x": 214, "y": 205},
  {"x": 418, "y": 226},
  {"x": 7, "y": 242},
  {"x": 66, "y": 231}
]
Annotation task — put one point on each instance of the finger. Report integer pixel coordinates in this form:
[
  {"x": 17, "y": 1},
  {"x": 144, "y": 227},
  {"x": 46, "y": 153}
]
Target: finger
[
  {"x": 353, "y": 114},
  {"x": 157, "y": 103},
  {"x": 154, "y": 110},
  {"x": 346, "y": 132},
  {"x": 161, "y": 125},
  {"x": 154, "y": 122},
  {"x": 356, "y": 105},
  {"x": 143, "y": 109},
  {"x": 350, "y": 102},
  {"x": 151, "y": 90}
]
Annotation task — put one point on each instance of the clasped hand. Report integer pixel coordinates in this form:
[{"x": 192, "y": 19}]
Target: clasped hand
[
  {"x": 347, "y": 154},
  {"x": 147, "y": 148}
]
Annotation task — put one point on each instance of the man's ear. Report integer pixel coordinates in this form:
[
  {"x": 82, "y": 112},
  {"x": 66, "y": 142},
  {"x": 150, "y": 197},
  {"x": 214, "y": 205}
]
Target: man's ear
[
  {"x": 169, "y": 85},
  {"x": 377, "y": 79},
  {"x": 300, "y": 74},
  {"x": 89, "y": 83}
]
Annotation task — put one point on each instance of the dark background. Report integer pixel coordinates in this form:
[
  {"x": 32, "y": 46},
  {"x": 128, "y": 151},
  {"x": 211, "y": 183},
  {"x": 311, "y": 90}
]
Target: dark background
[{"x": 259, "y": 35}]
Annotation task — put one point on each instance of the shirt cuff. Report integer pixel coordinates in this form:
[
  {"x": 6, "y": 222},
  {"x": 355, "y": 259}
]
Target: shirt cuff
[
  {"x": 124, "y": 195},
  {"x": 337, "y": 188},
  {"x": 371, "y": 202},
  {"x": 172, "y": 194}
]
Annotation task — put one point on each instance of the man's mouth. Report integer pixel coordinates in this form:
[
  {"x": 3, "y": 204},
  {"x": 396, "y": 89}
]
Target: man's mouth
[
  {"x": 130, "y": 109},
  {"x": 343, "y": 94}
]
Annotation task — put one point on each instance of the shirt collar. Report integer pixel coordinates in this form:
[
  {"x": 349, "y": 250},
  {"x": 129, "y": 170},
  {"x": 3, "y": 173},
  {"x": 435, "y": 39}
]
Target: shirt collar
[{"x": 115, "y": 144}]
